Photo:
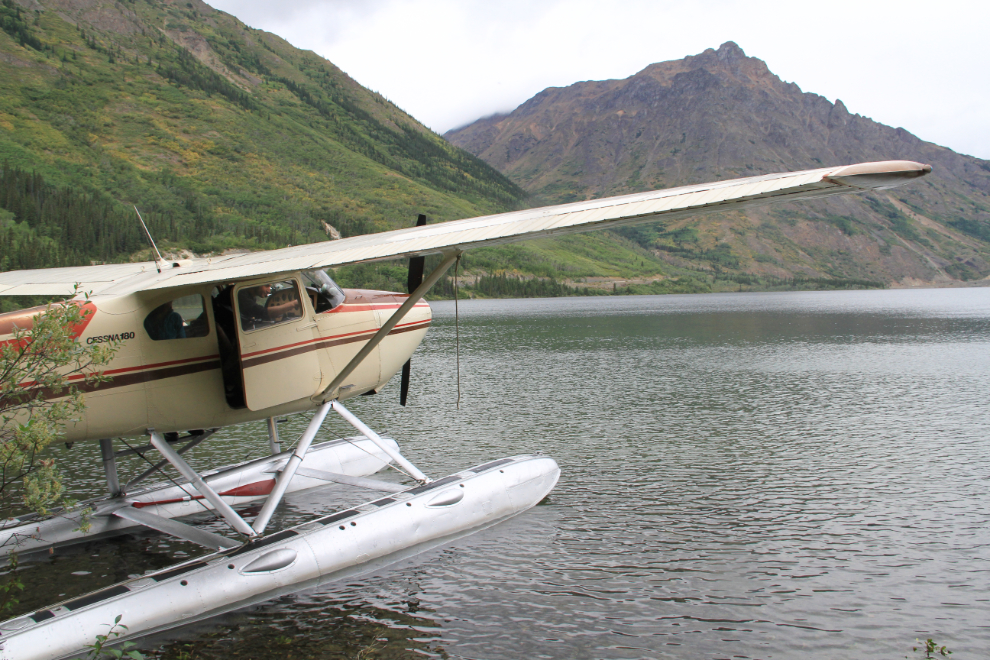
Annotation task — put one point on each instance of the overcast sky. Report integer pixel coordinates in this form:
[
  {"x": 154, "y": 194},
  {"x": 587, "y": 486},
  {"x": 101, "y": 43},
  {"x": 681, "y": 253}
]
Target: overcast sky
[{"x": 924, "y": 66}]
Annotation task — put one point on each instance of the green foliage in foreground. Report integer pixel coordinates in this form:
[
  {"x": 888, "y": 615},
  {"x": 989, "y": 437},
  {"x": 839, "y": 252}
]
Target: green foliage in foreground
[
  {"x": 931, "y": 649},
  {"x": 10, "y": 587},
  {"x": 37, "y": 399},
  {"x": 98, "y": 649}
]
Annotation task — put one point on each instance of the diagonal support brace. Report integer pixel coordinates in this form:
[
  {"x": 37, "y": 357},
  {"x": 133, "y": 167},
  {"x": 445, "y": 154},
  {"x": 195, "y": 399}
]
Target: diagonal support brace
[
  {"x": 224, "y": 509},
  {"x": 414, "y": 297},
  {"x": 375, "y": 438},
  {"x": 358, "y": 482},
  {"x": 289, "y": 471},
  {"x": 160, "y": 464},
  {"x": 175, "y": 528}
]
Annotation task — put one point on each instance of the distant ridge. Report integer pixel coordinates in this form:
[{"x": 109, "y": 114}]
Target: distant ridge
[{"x": 722, "y": 114}]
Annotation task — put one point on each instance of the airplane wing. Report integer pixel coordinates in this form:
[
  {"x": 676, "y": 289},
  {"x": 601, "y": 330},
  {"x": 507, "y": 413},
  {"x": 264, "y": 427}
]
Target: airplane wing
[{"x": 459, "y": 235}]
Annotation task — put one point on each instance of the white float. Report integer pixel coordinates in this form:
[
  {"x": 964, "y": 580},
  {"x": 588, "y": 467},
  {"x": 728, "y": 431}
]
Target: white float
[
  {"x": 238, "y": 484},
  {"x": 340, "y": 545}
]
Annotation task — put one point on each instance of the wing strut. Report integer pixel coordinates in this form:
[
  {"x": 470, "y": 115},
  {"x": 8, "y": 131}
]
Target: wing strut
[{"x": 414, "y": 297}]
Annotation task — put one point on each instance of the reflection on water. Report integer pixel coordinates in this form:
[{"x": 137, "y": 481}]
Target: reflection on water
[
  {"x": 311, "y": 626},
  {"x": 744, "y": 475}
]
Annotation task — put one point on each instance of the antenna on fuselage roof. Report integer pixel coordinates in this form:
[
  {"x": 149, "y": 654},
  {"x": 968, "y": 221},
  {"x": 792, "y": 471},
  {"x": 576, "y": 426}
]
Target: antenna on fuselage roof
[{"x": 158, "y": 255}]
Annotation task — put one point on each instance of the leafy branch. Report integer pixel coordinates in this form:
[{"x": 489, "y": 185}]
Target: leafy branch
[
  {"x": 98, "y": 649},
  {"x": 44, "y": 371},
  {"x": 932, "y": 649}
]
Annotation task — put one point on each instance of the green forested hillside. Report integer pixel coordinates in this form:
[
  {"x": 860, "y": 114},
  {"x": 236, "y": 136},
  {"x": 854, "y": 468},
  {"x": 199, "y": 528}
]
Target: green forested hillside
[
  {"x": 223, "y": 136},
  {"x": 226, "y": 137}
]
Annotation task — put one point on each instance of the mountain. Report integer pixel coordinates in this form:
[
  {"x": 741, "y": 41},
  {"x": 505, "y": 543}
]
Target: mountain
[
  {"x": 226, "y": 137},
  {"x": 222, "y": 135},
  {"x": 724, "y": 115}
]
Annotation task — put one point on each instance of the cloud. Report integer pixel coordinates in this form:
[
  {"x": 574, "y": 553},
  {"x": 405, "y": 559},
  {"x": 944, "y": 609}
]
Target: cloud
[{"x": 918, "y": 65}]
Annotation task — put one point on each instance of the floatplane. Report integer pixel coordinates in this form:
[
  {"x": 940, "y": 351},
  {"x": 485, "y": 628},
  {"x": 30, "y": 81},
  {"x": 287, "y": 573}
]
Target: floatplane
[{"x": 210, "y": 342}]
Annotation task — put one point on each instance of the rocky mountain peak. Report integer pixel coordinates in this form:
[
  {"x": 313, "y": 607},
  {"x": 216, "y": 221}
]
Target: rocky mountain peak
[
  {"x": 727, "y": 56},
  {"x": 722, "y": 114},
  {"x": 730, "y": 50},
  {"x": 728, "y": 64}
]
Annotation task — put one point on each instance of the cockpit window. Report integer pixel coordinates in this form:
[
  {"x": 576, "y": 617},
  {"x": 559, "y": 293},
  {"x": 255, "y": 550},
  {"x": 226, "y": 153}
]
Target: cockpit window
[
  {"x": 269, "y": 304},
  {"x": 182, "y": 318},
  {"x": 324, "y": 291}
]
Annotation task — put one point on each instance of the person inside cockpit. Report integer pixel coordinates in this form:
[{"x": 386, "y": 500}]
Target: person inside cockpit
[
  {"x": 258, "y": 306},
  {"x": 253, "y": 312}
]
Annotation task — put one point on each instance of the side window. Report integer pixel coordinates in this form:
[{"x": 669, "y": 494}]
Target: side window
[
  {"x": 182, "y": 318},
  {"x": 269, "y": 304}
]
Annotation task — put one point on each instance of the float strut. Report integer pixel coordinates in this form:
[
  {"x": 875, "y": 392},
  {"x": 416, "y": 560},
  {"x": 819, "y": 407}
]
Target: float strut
[
  {"x": 159, "y": 443},
  {"x": 110, "y": 466},
  {"x": 375, "y": 438},
  {"x": 175, "y": 528},
  {"x": 273, "y": 444},
  {"x": 289, "y": 471},
  {"x": 359, "y": 482},
  {"x": 160, "y": 464}
]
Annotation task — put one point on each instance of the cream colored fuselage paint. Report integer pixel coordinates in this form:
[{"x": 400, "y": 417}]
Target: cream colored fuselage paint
[{"x": 178, "y": 384}]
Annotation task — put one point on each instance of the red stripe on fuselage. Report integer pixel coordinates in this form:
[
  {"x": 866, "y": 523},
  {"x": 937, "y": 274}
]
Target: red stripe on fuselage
[
  {"x": 24, "y": 319},
  {"x": 345, "y": 307},
  {"x": 368, "y": 307},
  {"x": 331, "y": 338},
  {"x": 143, "y": 373},
  {"x": 140, "y": 367}
]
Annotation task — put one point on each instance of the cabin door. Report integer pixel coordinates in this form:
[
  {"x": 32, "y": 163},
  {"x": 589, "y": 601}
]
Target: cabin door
[{"x": 278, "y": 343}]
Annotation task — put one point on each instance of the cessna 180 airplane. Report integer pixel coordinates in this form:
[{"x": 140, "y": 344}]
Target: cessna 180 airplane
[{"x": 210, "y": 342}]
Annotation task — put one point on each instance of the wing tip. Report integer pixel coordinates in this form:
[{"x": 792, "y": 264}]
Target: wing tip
[{"x": 880, "y": 175}]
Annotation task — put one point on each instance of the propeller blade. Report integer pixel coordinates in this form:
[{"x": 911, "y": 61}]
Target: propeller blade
[
  {"x": 416, "y": 267},
  {"x": 404, "y": 383}
]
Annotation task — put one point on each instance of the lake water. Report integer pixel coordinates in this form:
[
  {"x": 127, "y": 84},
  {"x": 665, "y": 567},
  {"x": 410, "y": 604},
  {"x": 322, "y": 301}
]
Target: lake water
[{"x": 774, "y": 475}]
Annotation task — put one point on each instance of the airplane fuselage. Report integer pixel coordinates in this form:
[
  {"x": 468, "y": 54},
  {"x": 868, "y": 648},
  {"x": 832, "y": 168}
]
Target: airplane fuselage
[{"x": 198, "y": 375}]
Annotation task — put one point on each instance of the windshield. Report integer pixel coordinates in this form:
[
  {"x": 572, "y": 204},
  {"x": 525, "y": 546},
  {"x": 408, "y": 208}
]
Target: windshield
[{"x": 328, "y": 294}]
